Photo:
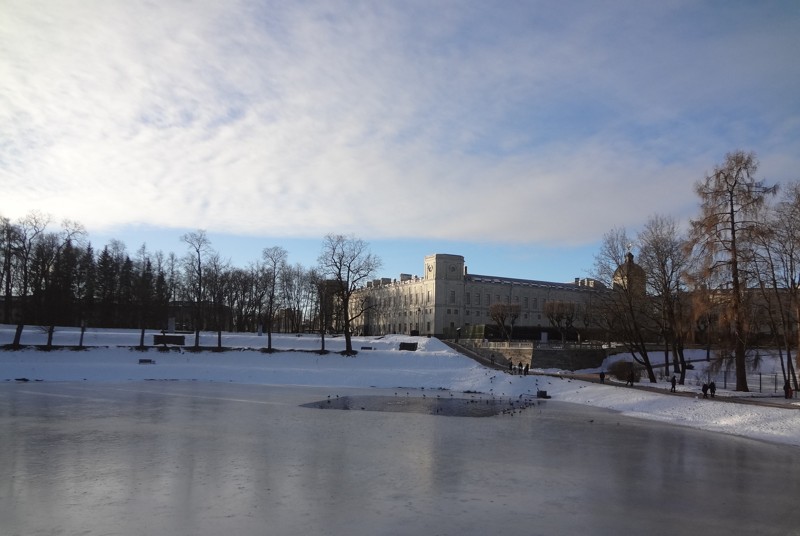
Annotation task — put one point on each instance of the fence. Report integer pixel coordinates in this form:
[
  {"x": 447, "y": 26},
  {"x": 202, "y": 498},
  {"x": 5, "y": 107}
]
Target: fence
[{"x": 757, "y": 382}]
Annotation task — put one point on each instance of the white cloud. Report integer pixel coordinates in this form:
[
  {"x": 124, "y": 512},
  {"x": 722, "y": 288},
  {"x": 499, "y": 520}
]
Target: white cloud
[{"x": 457, "y": 121}]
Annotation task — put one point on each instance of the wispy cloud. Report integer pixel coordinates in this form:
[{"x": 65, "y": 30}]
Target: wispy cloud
[{"x": 522, "y": 122}]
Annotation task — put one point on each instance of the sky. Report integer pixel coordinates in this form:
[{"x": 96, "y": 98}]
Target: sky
[
  {"x": 434, "y": 366},
  {"x": 515, "y": 133}
]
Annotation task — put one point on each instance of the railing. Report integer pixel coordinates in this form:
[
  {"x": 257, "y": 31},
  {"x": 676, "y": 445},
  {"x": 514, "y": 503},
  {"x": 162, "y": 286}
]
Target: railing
[{"x": 529, "y": 345}]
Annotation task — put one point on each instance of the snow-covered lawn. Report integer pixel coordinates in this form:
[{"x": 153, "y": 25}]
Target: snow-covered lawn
[{"x": 432, "y": 366}]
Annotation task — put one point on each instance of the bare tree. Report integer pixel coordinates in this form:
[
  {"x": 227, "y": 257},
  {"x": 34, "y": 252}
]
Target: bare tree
[
  {"x": 294, "y": 284},
  {"x": 241, "y": 298},
  {"x": 722, "y": 237},
  {"x": 218, "y": 279},
  {"x": 624, "y": 311},
  {"x": 786, "y": 223},
  {"x": 778, "y": 261},
  {"x": 28, "y": 231},
  {"x": 664, "y": 258},
  {"x": 274, "y": 264},
  {"x": 348, "y": 263},
  {"x": 498, "y": 312},
  {"x": 561, "y": 315},
  {"x": 323, "y": 295},
  {"x": 199, "y": 248}
]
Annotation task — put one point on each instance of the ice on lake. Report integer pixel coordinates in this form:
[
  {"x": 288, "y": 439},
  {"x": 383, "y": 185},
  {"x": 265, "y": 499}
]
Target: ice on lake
[{"x": 204, "y": 458}]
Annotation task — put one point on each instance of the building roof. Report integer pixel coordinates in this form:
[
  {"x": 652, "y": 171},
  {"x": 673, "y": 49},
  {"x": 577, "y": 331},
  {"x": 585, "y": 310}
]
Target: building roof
[{"x": 524, "y": 282}]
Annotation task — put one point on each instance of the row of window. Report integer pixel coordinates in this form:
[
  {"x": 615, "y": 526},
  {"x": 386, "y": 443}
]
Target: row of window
[
  {"x": 400, "y": 327},
  {"x": 415, "y": 299},
  {"x": 405, "y": 300},
  {"x": 497, "y": 299},
  {"x": 478, "y": 313}
]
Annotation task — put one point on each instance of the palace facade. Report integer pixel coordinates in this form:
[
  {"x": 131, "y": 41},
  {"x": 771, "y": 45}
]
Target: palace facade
[{"x": 448, "y": 301}]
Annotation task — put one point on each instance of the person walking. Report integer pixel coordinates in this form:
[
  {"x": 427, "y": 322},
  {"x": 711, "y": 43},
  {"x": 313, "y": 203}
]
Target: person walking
[
  {"x": 712, "y": 388},
  {"x": 673, "y": 382},
  {"x": 705, "y": 390}
]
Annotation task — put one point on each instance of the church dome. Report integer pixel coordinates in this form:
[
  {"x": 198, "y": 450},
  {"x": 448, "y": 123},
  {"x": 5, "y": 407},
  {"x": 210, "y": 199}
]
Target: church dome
[{"x": 630, "y": 276}]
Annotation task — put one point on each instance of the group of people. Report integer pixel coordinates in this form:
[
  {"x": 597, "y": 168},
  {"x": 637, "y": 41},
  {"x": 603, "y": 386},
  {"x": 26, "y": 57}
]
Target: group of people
[
  {"x": 518, "y": 368},
  {"x": 709, "y": 388}
]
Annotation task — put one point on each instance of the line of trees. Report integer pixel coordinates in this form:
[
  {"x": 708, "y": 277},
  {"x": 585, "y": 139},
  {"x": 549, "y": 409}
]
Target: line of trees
[
  {"x": 732, "y": 278},
  {"x": 55, "y": 277}
]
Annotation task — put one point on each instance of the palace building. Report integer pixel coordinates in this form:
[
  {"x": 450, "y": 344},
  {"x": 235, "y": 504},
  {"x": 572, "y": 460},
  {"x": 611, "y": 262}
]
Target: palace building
[{"x": 448, "y": 301}]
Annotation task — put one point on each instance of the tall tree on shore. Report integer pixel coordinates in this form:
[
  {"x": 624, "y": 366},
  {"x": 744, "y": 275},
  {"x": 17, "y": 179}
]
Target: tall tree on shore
[
  {"x": 664, "y": 258},
  {"x": 199, "y": 248},
  {"x": 778, "y": 260},
  {"x": 218, "y": 278},
  {"x": 625, "y": 312},
  {"x": 722, "y": 237},
  {"x": 274, "y": 264},
  {"x": 347, "y": 262}
]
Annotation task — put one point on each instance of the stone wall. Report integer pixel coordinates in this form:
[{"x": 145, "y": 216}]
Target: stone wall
[{"x": 567, "y": 359}]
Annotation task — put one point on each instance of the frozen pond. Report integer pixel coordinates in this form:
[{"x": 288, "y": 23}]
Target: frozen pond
[{"x": 192, "y": 458}]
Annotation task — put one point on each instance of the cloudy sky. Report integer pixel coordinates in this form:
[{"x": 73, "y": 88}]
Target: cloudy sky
[{"x": 513, "y": 132}]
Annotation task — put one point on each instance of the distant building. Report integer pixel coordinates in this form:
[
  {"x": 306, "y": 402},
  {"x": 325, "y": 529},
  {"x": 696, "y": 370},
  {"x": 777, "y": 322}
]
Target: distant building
[
  {"x": 630, "y": 277},
  {"x": 446, "y": 299}
]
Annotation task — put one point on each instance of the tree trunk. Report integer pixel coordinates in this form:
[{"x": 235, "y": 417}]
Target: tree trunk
[
  {"x": 348, "y": 341},
  {"x": 18, "y": 336},
  {"x": 666, "y": 357},
  {"x": 738, "y": 314}
]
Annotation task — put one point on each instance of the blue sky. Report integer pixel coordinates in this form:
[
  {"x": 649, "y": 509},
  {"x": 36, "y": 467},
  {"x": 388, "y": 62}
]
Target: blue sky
[{"x": 515, "y": 133}]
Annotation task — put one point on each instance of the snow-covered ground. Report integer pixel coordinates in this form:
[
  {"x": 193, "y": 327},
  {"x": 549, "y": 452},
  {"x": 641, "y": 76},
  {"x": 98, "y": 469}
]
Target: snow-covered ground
[{"x": 432, "y": 366}]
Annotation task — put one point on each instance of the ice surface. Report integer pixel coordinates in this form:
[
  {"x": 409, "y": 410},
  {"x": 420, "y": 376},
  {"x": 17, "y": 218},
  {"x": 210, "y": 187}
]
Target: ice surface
[{"x": 199, "y": 458}]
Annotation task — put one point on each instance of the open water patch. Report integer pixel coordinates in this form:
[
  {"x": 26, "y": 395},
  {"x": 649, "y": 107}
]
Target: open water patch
[{"x": 429, "y": 405}]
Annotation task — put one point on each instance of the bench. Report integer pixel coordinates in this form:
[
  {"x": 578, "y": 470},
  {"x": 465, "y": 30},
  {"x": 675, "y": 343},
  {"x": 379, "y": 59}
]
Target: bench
[
  {"x": 169, "y": 339},
  {"x": 147, "y": 361}
]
